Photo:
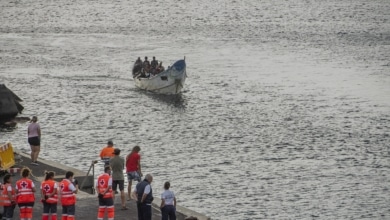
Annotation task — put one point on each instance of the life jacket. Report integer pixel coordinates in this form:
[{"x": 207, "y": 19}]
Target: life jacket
[
  {"x": 67, "y": 195},
  {"x": 25, "y": 193},
  {"x": 4, "y": 199},
  {"x": 48, "y": 187},
  {"x": 102, "y": 185}
]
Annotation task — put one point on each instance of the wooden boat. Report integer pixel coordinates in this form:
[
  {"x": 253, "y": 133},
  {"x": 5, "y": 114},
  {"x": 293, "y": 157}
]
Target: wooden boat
[{"x": 170, "y": 81}]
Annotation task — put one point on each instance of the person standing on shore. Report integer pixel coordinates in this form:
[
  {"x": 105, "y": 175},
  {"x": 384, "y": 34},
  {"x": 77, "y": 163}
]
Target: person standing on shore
[
  {"x": 133, "y": 168},
  {"x": 25, "y": 197},
  {"x": 117, "y": 164},
  {"x": 107, "y": 153},
  {"x": 168, "y": 203},
  {"x": 104, "y": 188},
  {"x": 68, "y": 189},
  {"x": 8, "y": 198},
  {"x": 34, "y": 139},
  {"x": 49, "y": 196},
  {"x": 143, "y": 193}
]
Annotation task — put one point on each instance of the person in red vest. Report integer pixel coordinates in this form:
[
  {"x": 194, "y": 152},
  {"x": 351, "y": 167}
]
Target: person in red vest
[
  {"x": 68, "y": 189},
  {"x": 25, "y": 198},
  {"x": 104, "y": 188},
  {"x": 49, "y": 195},
  {"x": 7, "y": 198}
]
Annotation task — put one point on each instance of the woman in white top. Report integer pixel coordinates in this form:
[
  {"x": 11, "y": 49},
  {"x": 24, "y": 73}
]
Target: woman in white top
[
  {"x": 34, "y": 139},
  {"x": 168, "y": 203}
]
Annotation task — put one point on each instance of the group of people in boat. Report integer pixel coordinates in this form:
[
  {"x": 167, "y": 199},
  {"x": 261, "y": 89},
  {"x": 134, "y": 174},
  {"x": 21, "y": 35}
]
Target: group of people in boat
[{"x": 147, "y": 69}]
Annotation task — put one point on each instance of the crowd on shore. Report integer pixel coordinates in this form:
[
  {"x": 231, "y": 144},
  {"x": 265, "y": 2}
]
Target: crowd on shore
[{"x": 64, "y": 192}]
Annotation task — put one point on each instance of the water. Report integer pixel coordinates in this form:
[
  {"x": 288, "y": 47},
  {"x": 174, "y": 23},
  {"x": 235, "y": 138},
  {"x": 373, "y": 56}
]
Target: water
[{"x": 285, "y": 114}]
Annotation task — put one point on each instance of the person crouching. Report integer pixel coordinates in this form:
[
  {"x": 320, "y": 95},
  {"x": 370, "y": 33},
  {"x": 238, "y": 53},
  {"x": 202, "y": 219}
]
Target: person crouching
[{"x": 104, "y": 187}]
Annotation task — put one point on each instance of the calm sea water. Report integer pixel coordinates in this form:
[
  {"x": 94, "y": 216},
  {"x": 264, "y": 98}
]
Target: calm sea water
[{"x": 285, "y": 114}]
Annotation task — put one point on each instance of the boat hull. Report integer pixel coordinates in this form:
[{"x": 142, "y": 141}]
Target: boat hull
[{"x": 170, "y": 81}]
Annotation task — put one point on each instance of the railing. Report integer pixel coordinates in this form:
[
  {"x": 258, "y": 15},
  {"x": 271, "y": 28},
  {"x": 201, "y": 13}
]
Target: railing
[{"x": 92, "y": 167}]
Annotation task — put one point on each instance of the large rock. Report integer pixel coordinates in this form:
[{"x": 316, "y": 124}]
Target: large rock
[{"x": 9, "y": 104}]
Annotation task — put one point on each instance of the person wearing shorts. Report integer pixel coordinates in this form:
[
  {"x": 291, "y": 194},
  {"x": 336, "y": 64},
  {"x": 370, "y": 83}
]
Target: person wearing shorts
[
  {"x": 133, "y": 168},
  {"x": 117, "y": 164},
  {"x": 34, "y": 139}
]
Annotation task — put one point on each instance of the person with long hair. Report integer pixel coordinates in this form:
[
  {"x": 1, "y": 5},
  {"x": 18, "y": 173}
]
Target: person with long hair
[
  {"x": 25, "y": 189},
  {"x": 133, "y": 168},
  {"x": 49, "y": 193},
  {"x": 8, "y": 198},
  {"x": 34, "y": 139}
]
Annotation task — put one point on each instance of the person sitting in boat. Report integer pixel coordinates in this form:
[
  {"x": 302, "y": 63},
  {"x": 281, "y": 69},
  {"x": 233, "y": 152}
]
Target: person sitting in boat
[
  {"x": 142, "y": 73},
  {"x": 160, "y": 68},
  {"x": 137, "y": 67},
  {"x": 154, "y": 63},
  {"x": 146, "y": 62},
  {"x": 138, "y": 62},
  {"x": 146, "y": 67}
]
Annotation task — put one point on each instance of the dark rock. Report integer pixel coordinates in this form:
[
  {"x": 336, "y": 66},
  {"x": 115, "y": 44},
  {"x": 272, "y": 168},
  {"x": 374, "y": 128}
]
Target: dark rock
[{"x": 9, "y": 104}]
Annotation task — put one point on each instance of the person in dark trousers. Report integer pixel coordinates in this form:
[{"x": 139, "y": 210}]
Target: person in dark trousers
[
  {"x": 143, "y": 194},
  {"x": 8, "y": 198},
  {"x": 104, "y": 188},
  {"x": 107, "y": 153},
  {"x": 49, "y": 196},
  {"x": 168, "y": 203},
  {"x": 68, "y": 189}
]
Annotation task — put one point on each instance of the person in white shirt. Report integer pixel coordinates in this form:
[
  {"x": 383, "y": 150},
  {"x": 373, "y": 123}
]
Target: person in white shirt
[{"x": 168, "y": 203}]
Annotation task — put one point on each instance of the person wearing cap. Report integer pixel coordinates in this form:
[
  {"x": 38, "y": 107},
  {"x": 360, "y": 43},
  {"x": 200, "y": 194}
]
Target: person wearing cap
[
  {"x": 117, "y": 164},
  {"x": 107, "y": 153}
]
